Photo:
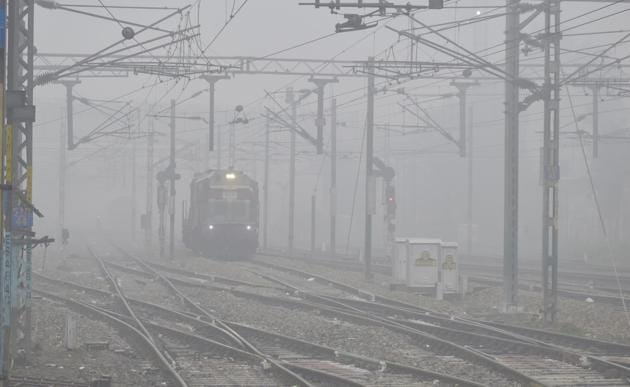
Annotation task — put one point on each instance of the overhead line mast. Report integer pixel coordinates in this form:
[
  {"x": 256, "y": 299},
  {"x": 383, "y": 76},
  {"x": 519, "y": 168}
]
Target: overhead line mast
[{"x": 549, "y": 93}]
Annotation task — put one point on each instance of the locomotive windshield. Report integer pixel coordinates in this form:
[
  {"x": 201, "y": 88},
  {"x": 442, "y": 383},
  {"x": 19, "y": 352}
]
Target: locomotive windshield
[{"x": 230, "y": 205}]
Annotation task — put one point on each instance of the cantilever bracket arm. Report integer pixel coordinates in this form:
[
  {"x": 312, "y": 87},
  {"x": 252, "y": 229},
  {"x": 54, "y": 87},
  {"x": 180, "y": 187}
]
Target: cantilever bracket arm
[
  {"x": 432, "y": 123},
  {"x": 297, "y": 128}
]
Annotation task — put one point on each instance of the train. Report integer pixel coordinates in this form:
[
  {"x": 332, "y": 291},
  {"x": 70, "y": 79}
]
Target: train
[{"x": 222, "y": 218}]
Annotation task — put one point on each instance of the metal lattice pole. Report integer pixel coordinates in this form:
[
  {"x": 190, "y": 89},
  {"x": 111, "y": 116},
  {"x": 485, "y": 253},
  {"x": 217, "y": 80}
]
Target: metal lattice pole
[
  {"x": 266, "y": 187},
  {"x": 291, "y": 99},
  {"x": 20, "y": 169},
  {"x": 551, "y": 168},
  {"x": 148, "y": 223},
  {"x": 595, "y": 88},
  {"x": 510, "y": 226},
  {"x": 5, "y": 253},
  {"x": 370, "y": 179},
  {"x": 62, "y": 178},
  {"x": 212, "y": 81},
  {"x": 171, "y": 200},
  {"x": 333, "y": 177}
]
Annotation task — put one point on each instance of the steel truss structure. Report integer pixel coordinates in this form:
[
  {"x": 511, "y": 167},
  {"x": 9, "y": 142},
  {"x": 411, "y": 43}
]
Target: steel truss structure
[
  {"x": 551, "y": 160},
  {"x": 18, "y": 238}
]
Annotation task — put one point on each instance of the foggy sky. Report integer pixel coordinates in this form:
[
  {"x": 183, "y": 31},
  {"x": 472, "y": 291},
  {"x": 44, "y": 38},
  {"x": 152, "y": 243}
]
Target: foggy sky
[{"x": 431, "y": 186}]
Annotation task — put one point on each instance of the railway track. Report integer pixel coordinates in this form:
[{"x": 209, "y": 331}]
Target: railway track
[
  {"x": 44, "y": 382},
  {"x": 465, "y": 345},
  {"x": 479, "y": 274},
  {"x": 315, "y": 363},
  {"x": 608, "y": 350},
  {"x": 286, "y": 348},
  {"x": 599, "y": 297},
  {"x": 595, "y": 277},
  {"x": 555, "y": 365},
  {"x": 593, "y": 371},
  {"x": 178, "y": 353},
  {"x": 389, "y": 307},
  {"x": 576, "y": 272},
  {"x": 295, "y": 303}
]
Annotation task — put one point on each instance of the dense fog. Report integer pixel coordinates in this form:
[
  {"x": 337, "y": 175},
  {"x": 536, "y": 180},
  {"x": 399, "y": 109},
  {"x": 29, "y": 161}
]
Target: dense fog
[{"x": 107, "y": 176}]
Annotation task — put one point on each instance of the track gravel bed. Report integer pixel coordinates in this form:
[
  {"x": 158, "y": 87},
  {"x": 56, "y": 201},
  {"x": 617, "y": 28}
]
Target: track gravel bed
[
  {"x": 307, "y": 284},
  {"x": 368, "y": 341},
  {"x": 202, "y": 369},
  {"x": 229, "y": 269},
  {"x": 590, "y": 320},
  {"x": 380, "y": 286},
  {"x": 74, "y": 268},
  {"x": 273, "y": 290},
  {"x": 149, "y": 290},
  {"x": 123, "y": 362}
]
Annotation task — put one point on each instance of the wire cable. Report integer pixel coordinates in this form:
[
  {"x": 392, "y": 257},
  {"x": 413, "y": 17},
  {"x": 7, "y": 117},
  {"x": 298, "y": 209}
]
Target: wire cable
[{"x": 602, "y": 223}]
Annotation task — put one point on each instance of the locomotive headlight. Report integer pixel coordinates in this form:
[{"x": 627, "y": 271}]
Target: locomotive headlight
[
  {"x": 248, "y": 227},
  {"x": 230, "y": 176},
  {"x": 211, "y": 227}
]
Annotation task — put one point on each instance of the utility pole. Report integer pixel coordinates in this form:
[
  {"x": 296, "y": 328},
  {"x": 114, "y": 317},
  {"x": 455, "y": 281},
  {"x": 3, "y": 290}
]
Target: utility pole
[
  {"x": 510, "y": 223},
  {"x": 595, "y": 89},
  {"x": 162, "y": 201},
  {"x": 320, "y": 121},
  {"x": 370, "y": 181},
  {"x": 291, "y": 99},
  {"x": 266, "y": 187},
  {"x": 62, "y": 178},
  {"x": 69, "y": 85},
  {"x": 20, "y": 111},
  {"x": 212, "y": 80},
  {"x": 205, "y": 157},
  {"x": 172, "y": 177},
  {"x": 219, "y": 148},
  {"x": 469, "y": 215},
  {"x": 5, "y": 252},
  {"x": 551, "y": 160},
  {"x": 462, "y": 88},
  {"x": 133, "y": 181},
  {"x": 333, "y": 177},
  {"x": 148, "y": 217},
  {"x": 313, "y": 222},
  {"x": 232, "y": 145}
]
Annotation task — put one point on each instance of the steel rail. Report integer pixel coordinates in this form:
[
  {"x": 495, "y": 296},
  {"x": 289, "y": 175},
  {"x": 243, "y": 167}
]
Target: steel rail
[
  {"x": 301, "y": 345},
  {"x": 386, "y": 270},
  {"x": 164, "y": 364},
  {"x": 249, "y": 345},
  {"x": 113, "y": 284},
  {"x": 412, "y": 311},
  {"x": 423, "y": 337},
  {"x": 575, "y": 295},
  {"x": 201, "y": 311},
  {"x": 602, "y": 365},
  {"x": 355, "y": 359},
  {"x": 220, "y": 324},
  {"x": 200, "y": 341},
  {"x": 492, "y": 337}
]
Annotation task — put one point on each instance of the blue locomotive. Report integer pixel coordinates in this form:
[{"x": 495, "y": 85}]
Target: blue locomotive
[{"x": 223, "y": 216}]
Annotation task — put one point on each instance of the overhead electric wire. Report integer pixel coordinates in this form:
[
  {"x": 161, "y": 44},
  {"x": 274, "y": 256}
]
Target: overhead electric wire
[
  {"x": 232, "y": 16},
  {"x": 600, "y": 215},
  {"x": 99, "y": 54}
]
